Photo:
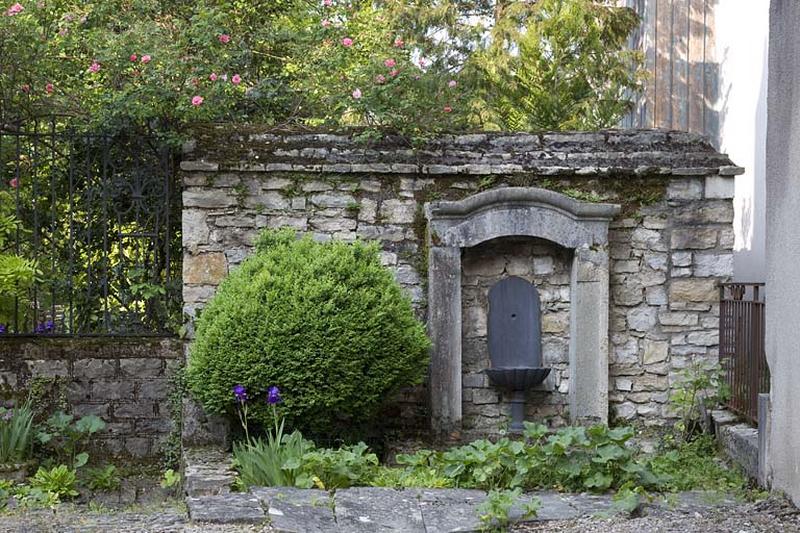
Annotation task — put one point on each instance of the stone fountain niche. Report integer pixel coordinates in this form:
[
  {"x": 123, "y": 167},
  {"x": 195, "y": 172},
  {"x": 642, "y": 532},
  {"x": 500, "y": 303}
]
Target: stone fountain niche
[
  {"x": 458, "y": 230},
  {"x": 515, "y": 342}
]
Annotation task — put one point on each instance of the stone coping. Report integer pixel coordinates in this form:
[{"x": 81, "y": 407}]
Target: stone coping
[{"x": 225, "y": 147}]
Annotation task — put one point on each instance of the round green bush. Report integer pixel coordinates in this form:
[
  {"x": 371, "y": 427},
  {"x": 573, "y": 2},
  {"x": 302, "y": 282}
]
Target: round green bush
[{"x": 325, "y": 322}]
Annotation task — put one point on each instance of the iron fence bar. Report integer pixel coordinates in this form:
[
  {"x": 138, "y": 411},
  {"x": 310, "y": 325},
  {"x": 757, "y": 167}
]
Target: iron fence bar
[
  {"x": 742, "y": 346},
  {"x": 71, "y": 241},
  {"x": 18, "y": 229}
]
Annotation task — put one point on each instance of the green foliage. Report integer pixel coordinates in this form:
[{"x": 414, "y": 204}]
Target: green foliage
[
  {"x": 573, "y": 70},
  {"x": 171, "y": 448},
  {"x": 59, "y": 480},
  {"x": 629, "y": 498},
  {"x": 402, "y": 478},
  {"x": 170, "y": 479},
  {"x": 25, "y": 496},
  {"x": 290, "y": 460},
  {"x": 335, "y": 469},
  {"x": 16, "y": 434},
  {"x": 495, "y": 511},
  {"x": 87, "y": 60},
  {"x": 17, "y": 274},
  {"x": 695, "y": 465},
  {"x": 326, "y": 322},
  {"x": 574, "y": 458},
  {"x": 410, "y": 65},
  {"x": 700, "y": 384},
  {"x": 66, "y": 437},
  {"x": 103, "y": 478}
]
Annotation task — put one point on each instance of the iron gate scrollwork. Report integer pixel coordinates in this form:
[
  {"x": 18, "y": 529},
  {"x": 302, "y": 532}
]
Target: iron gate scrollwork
[{"x": 100, "y": 216}]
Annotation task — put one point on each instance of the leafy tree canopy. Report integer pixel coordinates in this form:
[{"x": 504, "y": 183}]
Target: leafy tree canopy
[{"x": 414, "y": 65}]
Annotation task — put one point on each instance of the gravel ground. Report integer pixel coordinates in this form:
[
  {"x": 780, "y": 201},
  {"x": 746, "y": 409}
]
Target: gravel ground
[{"x": 773, "y": 515}]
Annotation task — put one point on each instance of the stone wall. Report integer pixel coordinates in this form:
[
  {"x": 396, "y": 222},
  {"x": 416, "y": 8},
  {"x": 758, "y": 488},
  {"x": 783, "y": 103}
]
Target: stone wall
[
  {"x": 669, "y": 247},
  {"x": 124, "y": 381}
]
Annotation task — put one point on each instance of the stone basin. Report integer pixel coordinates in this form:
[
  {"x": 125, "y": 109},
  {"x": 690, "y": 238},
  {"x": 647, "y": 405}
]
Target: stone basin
[{"x": 517, "y": 379}]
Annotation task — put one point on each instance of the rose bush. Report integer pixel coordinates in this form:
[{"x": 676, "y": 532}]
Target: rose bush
[{"x": 403, "y": 64}]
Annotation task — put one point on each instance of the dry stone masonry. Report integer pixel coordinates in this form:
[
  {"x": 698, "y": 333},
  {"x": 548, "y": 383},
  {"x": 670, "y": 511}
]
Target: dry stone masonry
[
  {"x": 651, "y": 277},
  {"x": 125, "y": 381}
]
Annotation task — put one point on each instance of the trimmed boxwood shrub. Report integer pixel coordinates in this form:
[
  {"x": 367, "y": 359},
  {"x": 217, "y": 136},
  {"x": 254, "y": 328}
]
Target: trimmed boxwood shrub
[{"x": 325, "y": 322}]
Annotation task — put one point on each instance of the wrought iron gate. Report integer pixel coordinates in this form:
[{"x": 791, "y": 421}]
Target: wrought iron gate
[{"x": 100, "y": 216}]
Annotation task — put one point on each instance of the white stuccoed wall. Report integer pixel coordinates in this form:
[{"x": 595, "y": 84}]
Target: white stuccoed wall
[
  {"x": 783, "y": 248},
  {"x": 741, "y": 36}
]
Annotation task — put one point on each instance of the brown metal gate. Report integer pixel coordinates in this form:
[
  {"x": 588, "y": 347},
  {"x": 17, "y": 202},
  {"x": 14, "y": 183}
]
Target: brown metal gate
[{"x": 741, "y": 346}]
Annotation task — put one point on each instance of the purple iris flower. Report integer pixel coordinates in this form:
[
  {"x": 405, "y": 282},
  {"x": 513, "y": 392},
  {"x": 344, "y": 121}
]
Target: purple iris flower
[
  {"x": 8, "y": 415},
  {"x": 240, "y": 392},
  {"x": 273, "y": 395},
  {"x": 3, "y": 329},
  {"x": 46, "y": 327}
]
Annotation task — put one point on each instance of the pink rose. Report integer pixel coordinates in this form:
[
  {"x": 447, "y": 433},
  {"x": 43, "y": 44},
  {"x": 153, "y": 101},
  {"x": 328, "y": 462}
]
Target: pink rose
[
  {"x": 134, "y": 57},
  {"x": 357, "y": 93},
  {"x": 213, "y": 77},
  {"x": 326, "y": 23},
  {"x": 423, "y": 62},
  {"x": 452, "y": 83},
  {"x": 394, "y": 72},
  {"x": 146, "y": 58},
  {"x": 15, "y": 9},
  {"x": 63, "y": 32},
  {"x": 14, "y": 183},
  {"x": 327, "y": 3},
  {"x": 380, "y": 79},
  {"x": 236, "y": 79},
  {"x": 49, "y": 88},
  {"x": 224, "y": 38},
  {"x": 447, "y": 109},
  {"x": 94, "y": 67},
  {"x": 197, "y": 100},
  {"x": 347, "y": 41},
  {"x": 390, "y": 63},
  {"x": 399, "y": 43},
  {"x": 25, "y": 88}
]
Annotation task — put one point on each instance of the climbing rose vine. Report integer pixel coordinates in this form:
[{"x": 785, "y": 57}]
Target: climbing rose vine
[{"x": 397, "y": 63}]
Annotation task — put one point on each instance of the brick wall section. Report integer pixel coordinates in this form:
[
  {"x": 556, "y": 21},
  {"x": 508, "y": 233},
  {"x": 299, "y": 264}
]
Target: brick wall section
[
  {"x": 669, "y": 248},
  {"x": 124, "y": 381}
]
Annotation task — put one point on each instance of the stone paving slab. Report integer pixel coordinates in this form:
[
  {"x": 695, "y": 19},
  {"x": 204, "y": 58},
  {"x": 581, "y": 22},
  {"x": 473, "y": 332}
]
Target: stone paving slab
[
  {"x": 207, "y": 471},
  {"x": 373, "y": 509},
  {"x": 233, "y": 508},
  {"x": 446, "y": 510},
  {"x": 554, "y": 506},
  {"x": 293, "y": 510}
]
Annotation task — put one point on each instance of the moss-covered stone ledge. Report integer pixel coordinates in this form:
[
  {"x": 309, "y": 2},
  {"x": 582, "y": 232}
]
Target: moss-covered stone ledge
[
  {"x": 669, "y": 246},
  {"x": 604, "y": 153}
]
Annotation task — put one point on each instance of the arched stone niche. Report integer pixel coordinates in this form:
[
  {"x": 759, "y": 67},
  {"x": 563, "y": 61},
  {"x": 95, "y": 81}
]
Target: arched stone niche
[{"x": 520, "y": 212}]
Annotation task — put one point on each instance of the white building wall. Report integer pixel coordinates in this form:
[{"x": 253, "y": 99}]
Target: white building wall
[{"x": 741, "y": 38}]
